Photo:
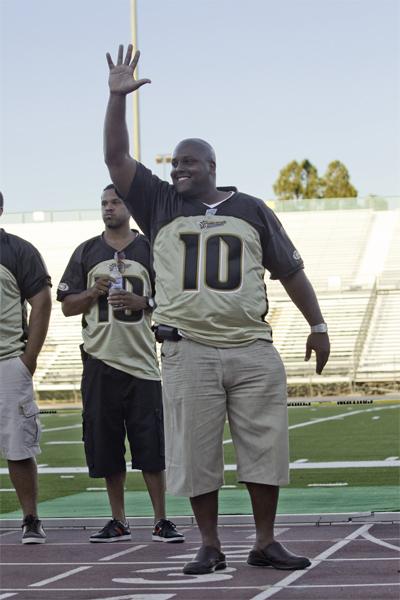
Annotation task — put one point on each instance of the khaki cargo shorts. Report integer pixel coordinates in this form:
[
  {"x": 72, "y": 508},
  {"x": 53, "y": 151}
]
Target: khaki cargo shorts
[
  {"x": 19, "y": 413},
  {"x": 202, "y": 385}
]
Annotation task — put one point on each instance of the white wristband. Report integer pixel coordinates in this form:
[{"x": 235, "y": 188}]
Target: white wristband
[{"x": 321, "y": 328}]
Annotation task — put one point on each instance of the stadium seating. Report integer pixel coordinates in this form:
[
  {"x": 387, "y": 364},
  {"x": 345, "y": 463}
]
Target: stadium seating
[{"x": 351, "y": 256}]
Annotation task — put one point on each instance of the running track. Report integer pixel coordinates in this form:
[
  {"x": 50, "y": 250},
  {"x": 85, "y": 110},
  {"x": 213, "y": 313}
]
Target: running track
[{"x": 352, "y": 558}]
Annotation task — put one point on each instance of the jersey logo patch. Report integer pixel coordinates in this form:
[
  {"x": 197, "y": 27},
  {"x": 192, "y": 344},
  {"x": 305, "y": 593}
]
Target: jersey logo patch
[
  {"x": 208, "y": 224},
  {"x": 120, "y": 266},
  {"x": 63, "y": 287},
  {"x": 296, "y": 255}
]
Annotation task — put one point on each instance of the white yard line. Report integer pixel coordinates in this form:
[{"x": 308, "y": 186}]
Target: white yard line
[
  {"x": 346, "y": 464},
  {"x": 350, "y": 464},
  {"x": 61, "y": 443},
  {"x": 284, "y": 583},
  {"x": 111, "y": 556},
  {"x": 58, "y": 577},
  {"x": 335, "y": 418},
  {"x": 342, "y": 416},
  {"x": 4, "y": 596},
  {"x": 78, "y": 426}
]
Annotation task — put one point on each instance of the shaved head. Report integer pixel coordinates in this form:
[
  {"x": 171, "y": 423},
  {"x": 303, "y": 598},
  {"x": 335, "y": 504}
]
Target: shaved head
[
  {"x": 201, "y": 146},
  {"x": 193, "y": 170}
]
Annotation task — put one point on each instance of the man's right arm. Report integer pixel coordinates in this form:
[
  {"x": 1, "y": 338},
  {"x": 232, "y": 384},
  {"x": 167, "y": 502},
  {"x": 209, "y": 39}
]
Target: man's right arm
[
  {"x": 121, "y": 165},
  {"x": 77, "y": 304}
]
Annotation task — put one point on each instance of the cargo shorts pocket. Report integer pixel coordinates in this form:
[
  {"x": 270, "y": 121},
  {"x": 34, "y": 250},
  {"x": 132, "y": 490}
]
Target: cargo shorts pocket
[
  {"x": 31, "y": 425},
  {"x": 169, "y": 349}
]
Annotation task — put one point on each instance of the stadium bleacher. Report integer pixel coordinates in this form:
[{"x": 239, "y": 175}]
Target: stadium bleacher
[{"x": 352, "y": 257}]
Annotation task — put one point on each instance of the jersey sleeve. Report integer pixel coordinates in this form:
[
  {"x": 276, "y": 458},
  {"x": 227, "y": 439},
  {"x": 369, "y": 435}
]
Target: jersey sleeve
[
  {"x": 74, "y": 279},
  {"x": 280, "y": 256},
  {"x": 146, "y": 194},
  {"x": 32, "y": 271}
]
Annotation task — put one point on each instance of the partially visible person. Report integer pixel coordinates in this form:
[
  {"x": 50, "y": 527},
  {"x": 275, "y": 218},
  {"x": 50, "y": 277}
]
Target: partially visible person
[
  {"x": 23, "y": 278},
  {"x": 108, "y": 280}
]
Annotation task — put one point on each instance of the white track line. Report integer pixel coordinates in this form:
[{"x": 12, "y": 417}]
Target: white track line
[
  {"x": 133, "y": 549},
  {"x": 3, "y": 596},
  {"x": 316, "y": 561},
  {"x": 359, "y": 559},
  {"x": 375, "y": 540},
  {"x": 140, "y": 597},
  {"x": 175, "y": 563},
  {"x": 341, "y": 585},
  {"x": 57, "y": 577}
]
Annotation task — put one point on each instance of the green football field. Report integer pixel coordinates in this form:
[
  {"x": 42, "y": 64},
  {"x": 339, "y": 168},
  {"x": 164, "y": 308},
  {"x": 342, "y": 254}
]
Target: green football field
[{"x": 332, "y": 447}]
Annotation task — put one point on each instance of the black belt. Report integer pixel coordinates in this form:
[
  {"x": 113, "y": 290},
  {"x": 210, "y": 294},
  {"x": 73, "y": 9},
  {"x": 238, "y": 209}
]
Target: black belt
[{"x": 165, "y": 332}]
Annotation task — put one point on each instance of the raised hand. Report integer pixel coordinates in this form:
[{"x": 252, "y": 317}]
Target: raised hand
[{"x": 121, "y": 80}]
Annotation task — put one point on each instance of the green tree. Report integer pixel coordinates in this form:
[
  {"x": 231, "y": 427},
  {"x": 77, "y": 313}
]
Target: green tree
[
  {"x": 336, "y": 182},
  {"x": 298, "y": 180}
]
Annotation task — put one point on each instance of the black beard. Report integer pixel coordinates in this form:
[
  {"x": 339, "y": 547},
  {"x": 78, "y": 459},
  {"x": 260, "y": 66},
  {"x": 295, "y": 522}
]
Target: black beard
[{"x": 113, "y": 225}]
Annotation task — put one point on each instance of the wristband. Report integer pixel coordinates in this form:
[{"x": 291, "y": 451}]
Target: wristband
[{"x": 321, "y": 328}]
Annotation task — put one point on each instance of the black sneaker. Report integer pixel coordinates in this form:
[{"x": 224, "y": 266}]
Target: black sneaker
[
  {"x": 165, "y": 531},
  {"x": 113, "y": 531},
  {"x": 32, "y": 531}
]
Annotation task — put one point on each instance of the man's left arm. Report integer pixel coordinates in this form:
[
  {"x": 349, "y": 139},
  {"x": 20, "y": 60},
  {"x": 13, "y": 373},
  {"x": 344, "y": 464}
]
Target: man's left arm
[
  {"x": 302, "y": 294},
  {"x": 38, "y": 324}
]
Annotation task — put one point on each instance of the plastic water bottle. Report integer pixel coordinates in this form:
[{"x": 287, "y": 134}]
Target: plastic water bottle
[{"x": 117, "y": 283}]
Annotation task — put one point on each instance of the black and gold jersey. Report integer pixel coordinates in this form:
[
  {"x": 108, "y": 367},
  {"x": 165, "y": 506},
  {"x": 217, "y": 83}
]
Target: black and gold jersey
[
  {"x": 210, "y": 262},
  {"x": 121, "y": 339},
  {"x": 23, "y": 274}
]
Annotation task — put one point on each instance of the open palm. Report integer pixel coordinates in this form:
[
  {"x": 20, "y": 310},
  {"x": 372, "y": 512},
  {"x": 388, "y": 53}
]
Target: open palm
[{"x": 121, "y": 79}]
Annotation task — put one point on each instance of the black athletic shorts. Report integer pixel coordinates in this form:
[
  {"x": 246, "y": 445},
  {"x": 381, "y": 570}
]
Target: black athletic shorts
[{"x": 116, "y": 405}]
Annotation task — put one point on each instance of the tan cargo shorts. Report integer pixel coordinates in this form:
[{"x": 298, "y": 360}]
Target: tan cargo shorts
[
  {"x": 202, "y": 385},
  {"x": 19, "y": 414}
]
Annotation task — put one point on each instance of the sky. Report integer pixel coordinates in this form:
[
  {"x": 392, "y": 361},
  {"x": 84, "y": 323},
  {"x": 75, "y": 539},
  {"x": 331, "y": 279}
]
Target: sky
[{"x": 264, "y": 81}]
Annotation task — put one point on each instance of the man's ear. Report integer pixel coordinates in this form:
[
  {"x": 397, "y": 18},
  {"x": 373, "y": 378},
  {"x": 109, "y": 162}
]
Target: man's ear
[{"x": 213, "y": 166}]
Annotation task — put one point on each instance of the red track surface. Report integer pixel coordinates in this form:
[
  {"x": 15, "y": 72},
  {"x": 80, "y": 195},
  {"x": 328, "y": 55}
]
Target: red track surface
[{"x": 350, "y": 562}]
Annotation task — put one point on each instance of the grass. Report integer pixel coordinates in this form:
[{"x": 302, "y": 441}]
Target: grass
[{"x": 354, "y": 437}]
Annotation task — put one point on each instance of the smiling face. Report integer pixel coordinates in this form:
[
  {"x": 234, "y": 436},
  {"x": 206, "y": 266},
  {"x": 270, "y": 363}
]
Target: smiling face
[
  {"x": 193, "y": 168},
  {"x": 113, "y": 210}
]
